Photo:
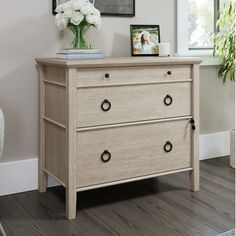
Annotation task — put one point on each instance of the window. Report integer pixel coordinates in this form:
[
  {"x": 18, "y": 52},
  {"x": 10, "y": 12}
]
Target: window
[
  {"x": 201, "y": 20},
  {"x": 196, "y": 23}
]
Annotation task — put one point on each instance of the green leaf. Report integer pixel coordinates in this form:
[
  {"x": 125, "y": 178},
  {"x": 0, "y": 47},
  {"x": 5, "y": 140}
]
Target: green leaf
[{"x": 224, "y": 41}]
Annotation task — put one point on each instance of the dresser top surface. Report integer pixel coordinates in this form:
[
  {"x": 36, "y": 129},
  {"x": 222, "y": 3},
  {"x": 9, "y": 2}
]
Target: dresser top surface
[{"x": 120, "y": 61}]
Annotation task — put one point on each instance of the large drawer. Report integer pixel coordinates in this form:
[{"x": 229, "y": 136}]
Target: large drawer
[
  {"x": 135, "y": 150},
  {"x": 132, "y": 103},
  {"x": 131, "y": 75}
]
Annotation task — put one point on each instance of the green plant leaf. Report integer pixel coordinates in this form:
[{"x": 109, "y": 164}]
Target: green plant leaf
[{"x": 224, "y": 41}]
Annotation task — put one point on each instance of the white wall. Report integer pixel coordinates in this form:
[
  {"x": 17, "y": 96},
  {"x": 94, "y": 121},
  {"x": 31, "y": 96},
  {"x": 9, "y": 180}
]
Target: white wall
[
  {"x": 114, "y": 37},
  {"x": 217, "y": 102},
  {"x": 29, "y": 32},
  {"x": 26, "y": 31}
]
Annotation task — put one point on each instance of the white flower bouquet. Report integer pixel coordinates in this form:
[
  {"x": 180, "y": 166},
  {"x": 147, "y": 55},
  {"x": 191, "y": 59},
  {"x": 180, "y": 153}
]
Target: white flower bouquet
[{"x": 78, "y": 16}]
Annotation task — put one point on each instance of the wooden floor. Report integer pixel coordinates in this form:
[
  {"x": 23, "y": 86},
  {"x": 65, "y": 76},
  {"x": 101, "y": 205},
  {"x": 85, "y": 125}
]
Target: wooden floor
[{"x": 158, "y": 207}]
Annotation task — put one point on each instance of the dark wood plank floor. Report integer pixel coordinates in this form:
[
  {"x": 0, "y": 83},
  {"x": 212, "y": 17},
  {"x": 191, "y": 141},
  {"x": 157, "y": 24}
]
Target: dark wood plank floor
[{"x": 158, "y": 207}]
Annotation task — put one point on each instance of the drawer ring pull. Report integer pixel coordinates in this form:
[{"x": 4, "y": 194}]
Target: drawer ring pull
[
  {"x": 106, "y": 156},
  {"x": 169, "y": 72},
  {"x": 168, "y": 100},
  {"x": 168, "y": 146},
  {"x": 106, "y": 105}
]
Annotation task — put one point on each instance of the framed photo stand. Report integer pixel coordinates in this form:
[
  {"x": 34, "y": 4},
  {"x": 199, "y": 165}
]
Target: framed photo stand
[{"x": 145, "y": 40}]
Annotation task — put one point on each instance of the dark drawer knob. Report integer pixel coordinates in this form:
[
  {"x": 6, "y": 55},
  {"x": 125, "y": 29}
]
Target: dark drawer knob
[
  {"x": 168, "y": 100},
  {"x": 168, "y": 72},
  {"x": 106, "y": 156},
  {"x": 106, "y": 105},
  {"x": 168, "y": 146},
  {"x": 107, "y": 75}
]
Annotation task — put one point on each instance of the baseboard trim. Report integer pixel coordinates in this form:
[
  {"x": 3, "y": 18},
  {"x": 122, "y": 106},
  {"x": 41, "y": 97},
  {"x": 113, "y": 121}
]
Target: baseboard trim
[
  {"x": 214, "y": 145},
  {"x": 22, "y": 176}
]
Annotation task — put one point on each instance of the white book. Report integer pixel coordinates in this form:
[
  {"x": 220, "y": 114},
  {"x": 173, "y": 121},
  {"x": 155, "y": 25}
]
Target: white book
[
  {"x": 77, "y": 50},
  {"x": 78, "y": 56}
]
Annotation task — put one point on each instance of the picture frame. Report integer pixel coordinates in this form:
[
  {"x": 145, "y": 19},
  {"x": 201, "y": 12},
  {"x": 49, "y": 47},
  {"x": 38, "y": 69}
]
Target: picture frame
[
  {"x": 145, "y": 40},
  {"x": 122, "y": 8}
]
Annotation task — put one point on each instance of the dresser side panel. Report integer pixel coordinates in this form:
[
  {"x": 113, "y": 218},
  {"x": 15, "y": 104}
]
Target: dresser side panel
[
  {"x": 55, "y": 151},
  {"x": 55, "y": 74},
  {"x": 55, "y": 103}
]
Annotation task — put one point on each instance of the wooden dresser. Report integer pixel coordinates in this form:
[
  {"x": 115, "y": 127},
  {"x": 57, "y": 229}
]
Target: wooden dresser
[{"x": 112, "y": 121}]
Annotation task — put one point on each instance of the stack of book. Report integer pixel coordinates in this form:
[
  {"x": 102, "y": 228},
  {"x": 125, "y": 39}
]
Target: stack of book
[{"x": 77, "y": 54}]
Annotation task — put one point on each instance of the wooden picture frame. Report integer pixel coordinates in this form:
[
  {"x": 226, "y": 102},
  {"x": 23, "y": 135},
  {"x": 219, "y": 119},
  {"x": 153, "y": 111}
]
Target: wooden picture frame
[
  {"x": 122, "y": 8},
  {"x": 144, "y": 40}
]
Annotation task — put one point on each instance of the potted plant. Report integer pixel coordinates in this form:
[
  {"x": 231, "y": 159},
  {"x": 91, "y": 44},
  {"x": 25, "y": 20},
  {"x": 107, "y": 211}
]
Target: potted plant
[{"x": 224, "y": 41}]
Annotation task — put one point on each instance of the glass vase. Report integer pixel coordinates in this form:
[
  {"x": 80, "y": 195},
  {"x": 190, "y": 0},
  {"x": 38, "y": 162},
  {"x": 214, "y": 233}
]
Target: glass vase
[{"x": 79, "y": 33}]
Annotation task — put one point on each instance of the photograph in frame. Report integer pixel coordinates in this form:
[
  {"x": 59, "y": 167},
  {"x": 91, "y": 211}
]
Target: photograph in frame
[{"x": 145, "y": 40}]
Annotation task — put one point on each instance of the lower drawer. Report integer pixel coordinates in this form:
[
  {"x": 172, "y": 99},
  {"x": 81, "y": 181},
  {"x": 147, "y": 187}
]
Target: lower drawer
[{"x": 113, "y": 154}]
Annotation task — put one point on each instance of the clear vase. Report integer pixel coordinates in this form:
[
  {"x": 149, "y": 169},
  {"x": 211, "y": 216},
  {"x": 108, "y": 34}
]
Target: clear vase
[{"x": 79, "y": 33}]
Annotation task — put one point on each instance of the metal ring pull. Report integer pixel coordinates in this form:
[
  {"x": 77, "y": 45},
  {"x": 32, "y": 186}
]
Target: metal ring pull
[
  {"x": 106, "y": 156},
  {"x": 168, "y": 100},
  {"x": 168, "y": 146},
  {"x": 106, "y": 105},
  {"x": 169, "y": 72}
]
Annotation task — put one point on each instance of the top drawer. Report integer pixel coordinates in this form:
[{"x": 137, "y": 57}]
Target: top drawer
[{"x": 132, "y": 75}]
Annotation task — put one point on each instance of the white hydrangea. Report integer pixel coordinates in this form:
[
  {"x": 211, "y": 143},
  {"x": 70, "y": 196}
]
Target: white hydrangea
[
  {"x": 87, "y": 9},
  {"x": 67, "y": 5},
  {"x": 77, "y": 4},
  {"x": 96, "y": 12},
  {"x": 60, "y": 9},
  {"x": 61, "y": 21},
  {"x": 94, "y": 20},
  {"x": 68, "y": 13},
  {"x": 75, "y": 11},
  {"x": 98, "y": 23},
  {"x": 76, "y": 18},
  {"x": 90, "y": 19}
]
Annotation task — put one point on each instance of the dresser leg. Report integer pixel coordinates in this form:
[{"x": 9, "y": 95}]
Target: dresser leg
[
  {"x": 71, "y": 199},
  {"x": 194, "y": 178},
  {"x": 43, "y": 180}
]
